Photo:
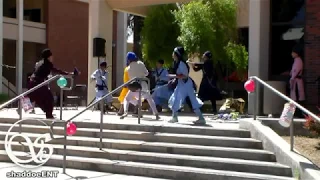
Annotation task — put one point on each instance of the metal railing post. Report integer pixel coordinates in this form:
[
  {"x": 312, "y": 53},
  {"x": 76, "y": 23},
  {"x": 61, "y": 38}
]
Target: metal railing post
[
  {"x": 20, "y": 109},
  {"x": 101, "y": 122},
  {"x": 61, "y": 102},
  {"x": 65, "y": 149},
  {"x": 139, "y": 106},
  {"x": 254, "y": 99},
  {"x": 292, "y": 135},
  {"x": 20, "y": 118},
  {"x": 255, "y": 106}
]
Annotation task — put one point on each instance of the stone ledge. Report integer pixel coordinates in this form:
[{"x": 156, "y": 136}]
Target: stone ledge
[
  {"x": 273, "y": 142},
  {"x": 273, "y": 123}
]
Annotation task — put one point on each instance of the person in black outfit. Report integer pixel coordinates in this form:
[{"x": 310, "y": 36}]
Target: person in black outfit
[
  {"x": 43, "y": 96},
  {"x": 208, "y": 88}
]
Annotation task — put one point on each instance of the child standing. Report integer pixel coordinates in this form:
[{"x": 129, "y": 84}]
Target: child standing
[
  {"x": 101, "y": 78},
  {"x": 161, "y": 93}
]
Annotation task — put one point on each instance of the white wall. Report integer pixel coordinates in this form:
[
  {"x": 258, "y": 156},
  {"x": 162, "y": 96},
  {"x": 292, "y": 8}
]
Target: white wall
[{"x": 33, "y": 32}]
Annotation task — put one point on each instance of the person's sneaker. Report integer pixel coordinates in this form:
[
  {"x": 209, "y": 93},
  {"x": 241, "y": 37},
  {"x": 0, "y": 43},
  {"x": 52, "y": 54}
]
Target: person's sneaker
[
  {"x": 157, "y": 117},
  {"x": 200, "y": 122},
  {"x": 33, "y": 112},
  {"x": 173, "y": 120},
  {"x": 124, "y": 115}
]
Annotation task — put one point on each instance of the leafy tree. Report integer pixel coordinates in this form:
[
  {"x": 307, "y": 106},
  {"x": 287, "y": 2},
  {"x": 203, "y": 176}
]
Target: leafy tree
[
  {"x": 137, "y": 28},
  {"x": 239, "y": 56},
  {"x": 159, "y": 34},
  {"x": 207, "y": 25}
]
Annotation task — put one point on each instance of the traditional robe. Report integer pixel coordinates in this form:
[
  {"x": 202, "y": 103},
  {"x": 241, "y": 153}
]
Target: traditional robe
[
  {"x": 296, "y": 81},
  {"x": 101, "y": 78},
  {"x": 43, "y": 96},
  {"x": 124, "y": 90}
]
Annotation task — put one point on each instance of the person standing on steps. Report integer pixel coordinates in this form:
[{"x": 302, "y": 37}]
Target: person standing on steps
[
  {"x": 124, "y": 90},
  {"x": 296, "y": 82},
  {"x": 43, "y": 96},
  {"x": 185, "y": 88},
  {"x": 101, "y": 78},
  {"x": 161, "y": 93},
  {"x": 137, "y": 68},
  {"x": 208, "y": 90}
]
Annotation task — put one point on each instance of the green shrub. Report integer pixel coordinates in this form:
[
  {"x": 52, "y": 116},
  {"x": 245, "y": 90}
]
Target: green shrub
[{"x": 4, "y": 98}]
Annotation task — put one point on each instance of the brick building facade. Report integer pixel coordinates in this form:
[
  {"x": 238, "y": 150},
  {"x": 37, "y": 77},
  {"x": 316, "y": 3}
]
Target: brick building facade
[
  {"x": 312, "y": 52},
  {"x": 67, "y": 35}
]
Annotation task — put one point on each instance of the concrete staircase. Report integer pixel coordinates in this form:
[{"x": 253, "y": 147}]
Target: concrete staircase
[{"x": 168, "y": 152}]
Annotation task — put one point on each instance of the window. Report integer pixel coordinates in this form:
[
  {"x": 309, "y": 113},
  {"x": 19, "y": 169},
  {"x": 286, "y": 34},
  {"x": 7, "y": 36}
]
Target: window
[
  {"x": 287, "y": 31},
  {"x": 33, "y": 15},
  {"x": 33, "y": 10}
]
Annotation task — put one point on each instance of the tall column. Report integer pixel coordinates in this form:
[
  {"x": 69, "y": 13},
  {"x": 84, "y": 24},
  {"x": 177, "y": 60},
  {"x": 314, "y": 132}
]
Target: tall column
[
  {"x": 259, "y": 38},
  {"x": 19, "y": 47},
  {"x": 100, "y": 25},
  {"x": 1, "y": 43},
  {"x": 121, "y": 45}
]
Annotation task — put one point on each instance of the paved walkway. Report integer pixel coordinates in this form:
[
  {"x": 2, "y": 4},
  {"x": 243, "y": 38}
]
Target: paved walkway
[
  {"x": 185, "y": 119},
  {"x": 72, "y": 174}
]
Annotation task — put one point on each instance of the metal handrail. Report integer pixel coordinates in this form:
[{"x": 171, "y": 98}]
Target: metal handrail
[
  {"x": 33, "y": 89},
  {"x": 26, "y": 93},
  {"x": 101, "y": 117},
  {"x": 255, "y": 78}
]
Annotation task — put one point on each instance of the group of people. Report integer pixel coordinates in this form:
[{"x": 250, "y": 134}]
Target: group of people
[
  {"x": 208, "y": 90},
  {"x": 175, "y": 88}
]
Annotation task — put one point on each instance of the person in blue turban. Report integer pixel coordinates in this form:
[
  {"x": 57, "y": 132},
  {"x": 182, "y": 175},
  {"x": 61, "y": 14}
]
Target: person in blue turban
[{"x": 137, "y": 69}]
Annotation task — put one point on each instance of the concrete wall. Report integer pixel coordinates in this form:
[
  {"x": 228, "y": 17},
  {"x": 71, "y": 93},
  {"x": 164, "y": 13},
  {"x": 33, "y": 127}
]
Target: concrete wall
[
  {"x": 100, "y": 25},
  {"x": 243, "y": 13},
  {"x": 259, "y": 44},
  {"x": 32, "y": 32}
]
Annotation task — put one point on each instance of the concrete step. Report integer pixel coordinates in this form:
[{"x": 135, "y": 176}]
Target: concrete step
[
  {"x": 168, "y": 128},
  {"x": 149, "y": 170},
  {"x": 72, "y": 174},
  {"x": 147, "y": 136},
  {"x": 228, "y": 164},
  {"x": 161, "y": 147}
]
